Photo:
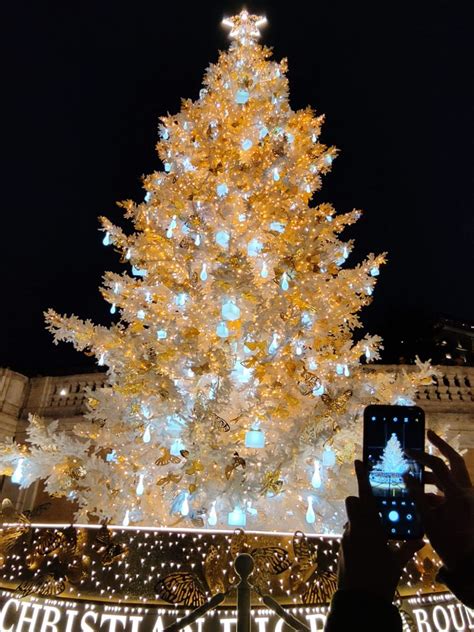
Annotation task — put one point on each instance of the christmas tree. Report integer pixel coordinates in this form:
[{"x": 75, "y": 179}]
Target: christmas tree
[
  {"x": 234, "y": 383},
  {"x": 393, "y": 459}
]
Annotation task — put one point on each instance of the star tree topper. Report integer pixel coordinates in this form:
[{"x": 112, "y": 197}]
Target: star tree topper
[{"x": 245, "y": 27}]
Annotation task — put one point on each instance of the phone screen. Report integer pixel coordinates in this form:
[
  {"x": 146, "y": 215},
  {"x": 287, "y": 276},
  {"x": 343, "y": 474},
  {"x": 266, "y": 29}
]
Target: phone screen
[{"x": 388, "y": 432}]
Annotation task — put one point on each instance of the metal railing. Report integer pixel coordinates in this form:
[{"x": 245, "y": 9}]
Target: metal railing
[{"x": 244, "y": 566}]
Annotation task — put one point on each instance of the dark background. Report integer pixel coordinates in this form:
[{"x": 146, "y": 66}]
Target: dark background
[{"x": 85, "y": 82}]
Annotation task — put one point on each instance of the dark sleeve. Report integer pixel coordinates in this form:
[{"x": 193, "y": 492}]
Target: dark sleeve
[
  {"x": 350, "y": 606},
  {"x": 460, "y": 580}
]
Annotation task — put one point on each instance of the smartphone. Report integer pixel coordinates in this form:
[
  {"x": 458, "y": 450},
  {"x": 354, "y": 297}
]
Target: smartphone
[{"x": 388, "y": 432}]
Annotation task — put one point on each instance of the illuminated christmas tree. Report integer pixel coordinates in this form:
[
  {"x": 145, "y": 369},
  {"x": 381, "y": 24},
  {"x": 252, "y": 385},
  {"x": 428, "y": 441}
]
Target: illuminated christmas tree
[
  {"x": 393, "y": 459},
  {"x": 235, "y": 386}
]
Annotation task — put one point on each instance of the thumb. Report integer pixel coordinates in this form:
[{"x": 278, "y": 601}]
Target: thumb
[
  {"x": 416, "y": 491},
  {"x": 352, "y": 510}
]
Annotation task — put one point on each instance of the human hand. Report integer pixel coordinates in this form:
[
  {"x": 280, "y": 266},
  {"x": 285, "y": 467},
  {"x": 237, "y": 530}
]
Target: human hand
[
  {"x": 448, "y": 518},
  {"x": 367, "y": 562}
]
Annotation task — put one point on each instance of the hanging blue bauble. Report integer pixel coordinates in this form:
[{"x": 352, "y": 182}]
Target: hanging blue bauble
[
  {"x": 241, "y": 97},
  {"x": 222, "y": 330},
  {"x": 237, "y": 518},
  {"x": 230, "y": 311},
  {"x": 255, "y": 438},
  {"x": 222, "y": 189}
]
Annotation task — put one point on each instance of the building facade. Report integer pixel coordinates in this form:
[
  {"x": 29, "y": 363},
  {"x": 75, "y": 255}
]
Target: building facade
[{"x": 449, "y": 403}]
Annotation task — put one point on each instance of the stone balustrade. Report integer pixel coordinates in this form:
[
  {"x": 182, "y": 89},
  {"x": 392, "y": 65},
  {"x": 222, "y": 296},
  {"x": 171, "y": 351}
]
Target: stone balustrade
[
  {"x": 453, "y": 389},
  {"x": 61, "y": 397},
  {"x": 65, "y": 396}
]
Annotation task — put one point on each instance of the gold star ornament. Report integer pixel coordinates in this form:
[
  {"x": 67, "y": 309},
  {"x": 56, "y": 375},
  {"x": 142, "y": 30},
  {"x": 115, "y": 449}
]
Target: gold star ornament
[{"x": 245, "y": 27}]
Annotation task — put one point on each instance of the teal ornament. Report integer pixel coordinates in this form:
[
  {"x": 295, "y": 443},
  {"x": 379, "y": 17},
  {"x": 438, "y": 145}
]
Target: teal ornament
[
  {"x": 230, "y": 311},
  {"x": 241, "y": 97},
  {"x": 255, "y": 438},
  {"x": 222, "y": 330},
  {"x": 222, "y": 189},
  {"x": 237, "y": 518}
]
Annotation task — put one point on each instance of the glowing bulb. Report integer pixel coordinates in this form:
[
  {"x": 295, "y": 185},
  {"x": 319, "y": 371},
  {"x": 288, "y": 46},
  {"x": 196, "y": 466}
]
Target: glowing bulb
[
  {"x": 161, "y": 334},
  {"x": 113, "y": 309},
  {"x": 203, "y": 274},
  {"x": 246, "y": 144},
  {"x": 18, "y": 473},
  {"x": 167, "y": 167},
  {"x": 310, "y": 515},
  {"x": 129, "y": 254},
  {"x": 374, "y": 271},
  {"x": 185, "y": 505},
  {"x": 264, "y": 271},
  {"x": 147, "y": 434},
  {"x": 101, "y": 359},
  {"x": 316, "y": 479},
  {"x": 116, "y": 288},
  {"x": 328, "y": 159},
  {"x": 197, "y": 240},
  {"x": 106, "y": 241},
  {"x": 212, "y": 517},
  {"x": 263, "y": 132},
  {"x": 276, "y": 174},
  {"x": 284, "y": 282},
  {"x": 148, "y": 296},
  {"x": 367, "y": 352},
  {"x": 141, "y": 314},
  {"x": 126, "y": 519},
  {"x": 140, "y": 487}
]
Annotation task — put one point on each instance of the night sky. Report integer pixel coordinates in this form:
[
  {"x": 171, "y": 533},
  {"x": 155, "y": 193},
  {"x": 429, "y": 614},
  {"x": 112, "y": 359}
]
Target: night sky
[{"x": 85, "y": 82}]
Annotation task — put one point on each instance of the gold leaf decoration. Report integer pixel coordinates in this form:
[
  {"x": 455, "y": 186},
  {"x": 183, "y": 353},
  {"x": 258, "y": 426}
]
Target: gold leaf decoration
[{"x": 272, "y": 483}]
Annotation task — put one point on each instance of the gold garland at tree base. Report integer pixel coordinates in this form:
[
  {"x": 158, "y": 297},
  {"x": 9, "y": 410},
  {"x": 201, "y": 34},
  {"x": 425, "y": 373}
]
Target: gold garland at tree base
[{"x": 181, "y": 567}]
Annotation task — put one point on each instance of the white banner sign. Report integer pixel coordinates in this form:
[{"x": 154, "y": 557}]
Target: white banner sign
[{"x": 438, "y": 613}]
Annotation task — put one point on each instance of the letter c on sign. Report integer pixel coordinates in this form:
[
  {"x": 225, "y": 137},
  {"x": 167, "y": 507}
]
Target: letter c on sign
[{"x": 16, "y": 603}]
